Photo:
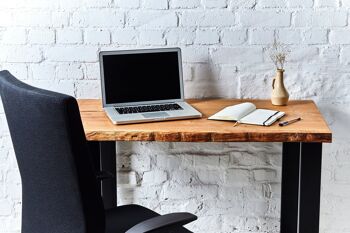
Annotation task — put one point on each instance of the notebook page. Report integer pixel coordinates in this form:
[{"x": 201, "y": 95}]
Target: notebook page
[
  {"x": 234, "y": 113},
  {"x": 261, "y": 116}
]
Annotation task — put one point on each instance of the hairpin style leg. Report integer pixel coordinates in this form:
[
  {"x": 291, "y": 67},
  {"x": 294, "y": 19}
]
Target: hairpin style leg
[
  {"x": 104, "y": 159},
  {"x": 301, "y": 186}
]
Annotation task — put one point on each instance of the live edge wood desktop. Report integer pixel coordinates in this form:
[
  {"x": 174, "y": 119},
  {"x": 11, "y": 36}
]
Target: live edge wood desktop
[{"x": 301, "y": 153}]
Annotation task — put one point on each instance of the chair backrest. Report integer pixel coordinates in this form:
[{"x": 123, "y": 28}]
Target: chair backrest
[{"x": 59, "y": 186}]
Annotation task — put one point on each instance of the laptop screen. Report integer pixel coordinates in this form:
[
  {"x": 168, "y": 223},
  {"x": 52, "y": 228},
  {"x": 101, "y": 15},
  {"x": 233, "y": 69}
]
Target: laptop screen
[{"x": 138, "y": 77}]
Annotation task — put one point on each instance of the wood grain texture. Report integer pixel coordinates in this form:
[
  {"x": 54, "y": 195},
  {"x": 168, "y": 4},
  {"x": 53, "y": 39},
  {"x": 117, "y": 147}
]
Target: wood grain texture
[{"x": 312, "y": 127}]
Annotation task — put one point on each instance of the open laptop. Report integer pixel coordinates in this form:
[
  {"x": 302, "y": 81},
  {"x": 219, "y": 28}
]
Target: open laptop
[{"x": 143, "y": 86}]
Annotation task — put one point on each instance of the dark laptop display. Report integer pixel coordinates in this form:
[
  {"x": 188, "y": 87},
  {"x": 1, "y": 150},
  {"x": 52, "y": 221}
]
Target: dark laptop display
[{"x": 141, "y": 77}]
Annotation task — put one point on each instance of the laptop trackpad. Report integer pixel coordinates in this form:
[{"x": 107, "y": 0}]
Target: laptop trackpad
[{"x": 155, "y": 115}]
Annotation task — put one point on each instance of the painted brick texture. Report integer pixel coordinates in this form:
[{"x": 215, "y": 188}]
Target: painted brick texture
[{"x": 232, "y": 187}]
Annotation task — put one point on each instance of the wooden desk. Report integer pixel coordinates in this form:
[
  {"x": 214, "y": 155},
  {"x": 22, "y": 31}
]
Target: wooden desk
[{"x": 301, "y": 153}]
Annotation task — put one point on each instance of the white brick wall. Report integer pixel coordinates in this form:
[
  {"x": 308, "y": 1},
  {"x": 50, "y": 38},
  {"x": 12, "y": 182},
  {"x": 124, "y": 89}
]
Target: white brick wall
[{"x": 232, "y": 187}]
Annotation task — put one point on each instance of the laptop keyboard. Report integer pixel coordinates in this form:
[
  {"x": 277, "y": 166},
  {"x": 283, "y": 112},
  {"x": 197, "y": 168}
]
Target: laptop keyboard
[{"x": 148, "y": 108}]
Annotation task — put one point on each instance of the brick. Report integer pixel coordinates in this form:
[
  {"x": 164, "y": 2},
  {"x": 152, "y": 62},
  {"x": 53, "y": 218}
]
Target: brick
[
  {"x": 168, "y": 162},
  {"x": 183, "y": 177},
  {"x": 330, "y": 54},
  {"x": 14, "y": 36},
  {"x": 177, "y": 192},
  {"x": 236, "y": 55},
  {"x": 184, "y": 4},
  {"x": 326, "y": 18},
  {"x": 43, "y": 71},
  {"x": 11, "y": 4},
  {"x": 339, "y": 36},
  {"x": 303, "y": 18},
  {"x": 204, "y": 72},
  {"x": 261, "y": 36},
  {"x": 6, "y": 17},
  {"x": 135, "y": 162},
  {"x": 152, "y": 37},
  {"x": 92, "y": 71},
  {"x": 20, "y": 54},
  {"x": 155, "y": 4},
  {"x": 228, "y": 72},
  {"x": 195, "y": 54},
  {"x": 60, "y": 18},
  {"x": 247, "y": 92},
  {"x": 235, "y": 177},
  {"x": 19, "y": 70},
  {"x": 5, "y": 207},
  {"x": 125, "y": 36},
  {"x": 345, "y": 3},
  {"x": 316, "y": 36},
  {"x": 69, "y": 71},
  {"x": 210, "y": 177},
  {"x": 342, "y": 174},
  {"x": 264, "y": 175},
  {"x": 97, "y": 18},
  {"x": 326, "y": 3},
  {"x": 304, "y": 54},
  {"x": 212, "y": 18},
  {"x": 64, "y": 53},
  {"x": 207, "y": 36},
  {"x": 62, "y": 86},
  {"x": 70, "y": 4},
  {"x": 152, "y": 19},
  {"x": 127, "y": 179},
  {"x": 32, "y": 18},
  {"x": 97, "y": 4},
  {"x": 187, "y": 72},
  {"x": 38, "y": 4},
  {"x": 127, "y": 4},
  {"x": 234, "y": 37},
  {"x": 271, "y": 3},
  {"x": 214, "y": 3},
  {"x": 88, "y": 89},
  {"x": 300, "y": 3},
  {"x": 345, "y": 55},
  {"x": 69, "y": 36},
  {"x": 206, "y": 161},
  {"x": 265, "y": 18},
  {"x": 97, "y": 37},
  {"x": 155, "y": 177},
  {"x": 41, "y": 36},
  {"x": 289, "y": 36},
  {"x": 14, "y": 191},
  {"x": 180, "y": 36},
  {"x": 242, "y": 4}
]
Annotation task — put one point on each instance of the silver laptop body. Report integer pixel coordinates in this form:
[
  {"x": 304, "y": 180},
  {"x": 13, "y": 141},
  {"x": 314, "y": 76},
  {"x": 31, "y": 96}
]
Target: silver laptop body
[{"x": 144, "y": 86}]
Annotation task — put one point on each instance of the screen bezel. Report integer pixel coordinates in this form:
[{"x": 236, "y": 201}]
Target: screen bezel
[{"x": 140, "y": 51}]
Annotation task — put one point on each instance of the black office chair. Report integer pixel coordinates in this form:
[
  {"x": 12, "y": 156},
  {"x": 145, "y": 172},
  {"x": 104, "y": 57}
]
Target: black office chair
[{"x": 59, "y": 185}]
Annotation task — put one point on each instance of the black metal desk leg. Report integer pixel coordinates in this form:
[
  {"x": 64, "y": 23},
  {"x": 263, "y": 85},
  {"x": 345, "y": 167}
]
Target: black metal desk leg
[
  {"x": 301, "y": 187},
  {"x": 104, "y": 159}
]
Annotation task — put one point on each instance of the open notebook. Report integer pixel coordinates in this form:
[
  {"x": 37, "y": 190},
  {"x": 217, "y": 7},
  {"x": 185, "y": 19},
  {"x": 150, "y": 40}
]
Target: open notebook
[{"x": 247, "y": 113}]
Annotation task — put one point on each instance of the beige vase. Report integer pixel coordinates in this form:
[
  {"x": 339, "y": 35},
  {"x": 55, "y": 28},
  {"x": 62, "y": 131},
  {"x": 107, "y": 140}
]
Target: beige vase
[{"x": 279, "y": 95}]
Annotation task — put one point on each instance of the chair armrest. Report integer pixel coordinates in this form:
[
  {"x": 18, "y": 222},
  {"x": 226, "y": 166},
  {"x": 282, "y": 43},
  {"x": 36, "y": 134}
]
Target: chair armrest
[{"x": 163, "y": 222}]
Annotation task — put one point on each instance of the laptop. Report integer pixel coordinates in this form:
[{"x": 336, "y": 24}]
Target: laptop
[{"x": 144, "y": 86}]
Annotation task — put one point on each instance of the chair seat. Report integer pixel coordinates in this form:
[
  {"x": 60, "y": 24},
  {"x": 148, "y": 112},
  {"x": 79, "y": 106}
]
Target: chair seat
[{"x": 122, "y": 218}]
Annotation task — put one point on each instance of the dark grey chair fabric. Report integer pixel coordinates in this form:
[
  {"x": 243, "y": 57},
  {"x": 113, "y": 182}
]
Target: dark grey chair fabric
[{"x": 59, "y": 185}]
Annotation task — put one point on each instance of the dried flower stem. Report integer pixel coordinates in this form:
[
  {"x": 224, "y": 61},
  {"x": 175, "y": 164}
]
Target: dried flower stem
[{"x": 278, "y": 53}]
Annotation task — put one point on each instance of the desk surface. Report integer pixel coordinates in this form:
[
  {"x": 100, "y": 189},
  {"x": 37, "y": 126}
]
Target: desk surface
[{"x": 312, "y": 127}]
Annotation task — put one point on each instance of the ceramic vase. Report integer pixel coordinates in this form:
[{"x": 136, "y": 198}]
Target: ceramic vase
[{"x": 279, "y": 95}]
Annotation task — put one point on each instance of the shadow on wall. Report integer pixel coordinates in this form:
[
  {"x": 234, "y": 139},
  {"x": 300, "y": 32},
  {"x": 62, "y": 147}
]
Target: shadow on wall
[
  {"x": 212, "y": 81},
  {"x": 337, "y": 116}
]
